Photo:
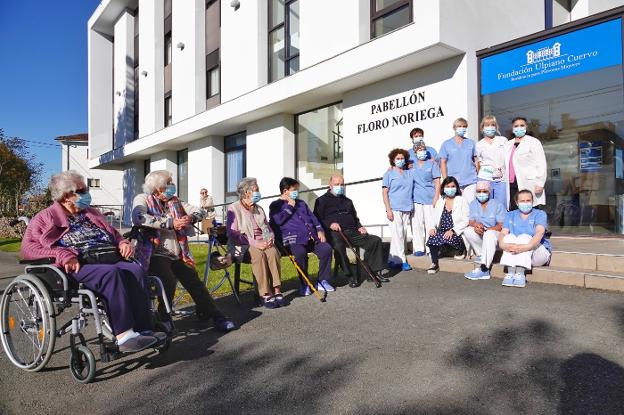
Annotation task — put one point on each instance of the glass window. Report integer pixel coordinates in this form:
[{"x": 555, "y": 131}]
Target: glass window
[
  {"x": 168, "y": 47},
  {"x": 95, "y": 183},
  {"x": 293, "y": 29},
  {"x": 276, "y": 16},
  {"x": 183, "y": 174},
  {"x": 382, "y": 4},
  {"x": 283, "y": 38},
  {"x": 319, "y": 147},
  {"x": 235, "y": 164},
  {"x": 213, "y": 82},
  {"x": 389, "y": 15},
  {"x": 168, "y": 108},
  {"x": 276, "y": 45},
  {"x": 147, "y": 166}
]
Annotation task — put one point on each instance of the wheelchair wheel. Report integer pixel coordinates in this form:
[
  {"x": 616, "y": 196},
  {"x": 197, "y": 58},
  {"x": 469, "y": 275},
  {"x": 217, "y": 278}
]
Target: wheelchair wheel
[
  {"x": 26, "y": 323},
  {"x": 82, "y": 365}
]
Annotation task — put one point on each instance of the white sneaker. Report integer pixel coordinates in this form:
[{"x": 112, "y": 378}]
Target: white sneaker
[{"x": 508, "y": 281}]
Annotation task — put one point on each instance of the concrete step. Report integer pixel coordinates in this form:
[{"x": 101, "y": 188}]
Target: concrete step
[{"x": 611, "y": 279}]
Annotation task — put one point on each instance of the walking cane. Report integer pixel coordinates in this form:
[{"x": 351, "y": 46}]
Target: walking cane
[
  {"x": 372, "y": 275},
  {"x": 304, "y": 276}
]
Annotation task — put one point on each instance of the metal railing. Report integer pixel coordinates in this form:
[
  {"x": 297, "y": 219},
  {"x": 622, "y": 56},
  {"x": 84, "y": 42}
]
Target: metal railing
[{"x": 114, "y": 214}]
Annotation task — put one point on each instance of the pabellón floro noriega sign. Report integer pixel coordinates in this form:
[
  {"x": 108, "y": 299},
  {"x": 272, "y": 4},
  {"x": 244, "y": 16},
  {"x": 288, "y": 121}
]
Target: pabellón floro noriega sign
[
  {"x": 583, "y": 50},
  {"x": 405, "y": 109}
]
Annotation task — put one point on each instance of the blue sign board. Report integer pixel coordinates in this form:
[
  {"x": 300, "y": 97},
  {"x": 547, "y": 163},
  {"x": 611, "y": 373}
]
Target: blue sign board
[{"x": 573, "y": 53}]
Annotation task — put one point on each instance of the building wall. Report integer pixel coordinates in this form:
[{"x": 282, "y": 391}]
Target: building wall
[
  {"x": 100, "y": 93},
  {"x": 206, "y": 163},
  {"x": 123, "y": 80}
]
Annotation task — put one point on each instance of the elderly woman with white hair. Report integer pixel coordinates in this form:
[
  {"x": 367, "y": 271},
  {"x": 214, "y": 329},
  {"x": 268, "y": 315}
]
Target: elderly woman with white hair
[
  {"x": 165, "y": 224},
  {"x": 250, "y": 236},
  {"x": 93, "y": 253}
]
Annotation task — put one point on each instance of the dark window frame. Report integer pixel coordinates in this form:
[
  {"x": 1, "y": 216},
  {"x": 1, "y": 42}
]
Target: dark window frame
[
  {"x": 227, "y": 150},
  {"x": 137, "y": 23},
  {"x": 386, "y": 11},
  {"x": 286, "y": 26},
  {"x": 182, "y": 193},
  {"x": 209, "y": 84},
  {"x": 216, "y": 65},
  {"x": 166, "y": 110}
]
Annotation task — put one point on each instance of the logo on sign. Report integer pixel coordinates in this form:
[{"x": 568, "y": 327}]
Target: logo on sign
[{"x": 544, "y": 53}]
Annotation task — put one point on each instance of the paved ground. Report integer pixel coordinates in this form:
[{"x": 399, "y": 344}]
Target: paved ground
[{"x": 421, "y": 344}]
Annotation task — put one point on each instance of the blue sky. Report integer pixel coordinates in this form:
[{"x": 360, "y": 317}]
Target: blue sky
[{"x": 43, "y": 72}]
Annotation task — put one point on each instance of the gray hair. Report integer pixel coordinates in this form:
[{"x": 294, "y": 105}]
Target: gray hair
[
  {"x": 63, "y": 183},
  {"x": 156, "y": 180},
  {"x": 246, "y": 185}
]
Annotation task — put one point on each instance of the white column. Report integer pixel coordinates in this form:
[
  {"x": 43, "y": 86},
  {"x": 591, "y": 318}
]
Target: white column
[
  {"x": 100, "y": 86},
  {"x": 151, "y": 63},
  {"x": 123, "y": 75},
  {"x": 132, "y": 186},
  {"x": 165, "y": 160},
  {"x": 188, "y": 73},
  {"x": 271, "y": 152},
  {"x": 206, "y": 166}
]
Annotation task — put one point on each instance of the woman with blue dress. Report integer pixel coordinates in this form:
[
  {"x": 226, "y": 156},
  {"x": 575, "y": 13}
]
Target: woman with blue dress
[
  {"x": 450, "y": 215},
  {"x": 397, "y": 189}
]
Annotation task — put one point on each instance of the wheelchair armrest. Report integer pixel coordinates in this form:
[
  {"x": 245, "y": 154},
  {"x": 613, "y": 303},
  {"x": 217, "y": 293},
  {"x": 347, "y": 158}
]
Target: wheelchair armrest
[{"x": 39, "y": 261}]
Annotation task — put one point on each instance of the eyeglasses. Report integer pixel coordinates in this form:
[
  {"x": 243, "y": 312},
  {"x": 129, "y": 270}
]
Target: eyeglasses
[{"x": 81, "y": 191}]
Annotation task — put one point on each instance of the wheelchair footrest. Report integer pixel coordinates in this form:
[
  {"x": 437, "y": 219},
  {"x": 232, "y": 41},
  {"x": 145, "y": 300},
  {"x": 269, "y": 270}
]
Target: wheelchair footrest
[{"x": 109, "y": 352}]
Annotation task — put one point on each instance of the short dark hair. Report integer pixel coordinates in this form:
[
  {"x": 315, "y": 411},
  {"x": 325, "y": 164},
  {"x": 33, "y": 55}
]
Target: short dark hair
[
  {"x": 286, "y": 183},
  {"x": 451, "y": 179},
  {"x": 416, "y": 130},
  {"x": 392, "y": 155},
  {"x": 521, "y": 192},
  {"x": 519, "y": 118}
]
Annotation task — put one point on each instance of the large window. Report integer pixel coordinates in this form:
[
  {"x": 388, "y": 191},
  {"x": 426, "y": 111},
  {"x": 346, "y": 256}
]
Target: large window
[
  {"x": 183, "y": 174},
  {"x": 235, "y": 163},
  {"x": 283, "y": 38},
  {"x": 319, "y": 147},
  {"x": 389, "y": 15}
]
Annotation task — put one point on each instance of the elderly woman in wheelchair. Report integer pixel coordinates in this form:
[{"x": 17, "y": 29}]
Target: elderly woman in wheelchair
[{"x": 81, "y": 244}]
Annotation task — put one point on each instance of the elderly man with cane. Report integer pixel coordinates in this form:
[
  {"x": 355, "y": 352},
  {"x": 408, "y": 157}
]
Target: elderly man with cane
[{"x": 337, "y": 214}]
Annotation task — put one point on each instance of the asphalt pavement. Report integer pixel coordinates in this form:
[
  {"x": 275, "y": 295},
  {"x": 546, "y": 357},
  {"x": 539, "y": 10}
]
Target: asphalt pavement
[{"x": 419, "y": 345}]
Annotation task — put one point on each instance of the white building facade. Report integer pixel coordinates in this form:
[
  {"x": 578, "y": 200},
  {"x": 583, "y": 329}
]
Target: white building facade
[{"x": 217, "y": 90}]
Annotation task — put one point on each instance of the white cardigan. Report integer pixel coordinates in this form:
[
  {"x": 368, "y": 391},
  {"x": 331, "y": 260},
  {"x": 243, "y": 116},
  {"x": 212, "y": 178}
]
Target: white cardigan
[
  {"x": 459, "y": 213},
  {"x": 530, "y": 166}
]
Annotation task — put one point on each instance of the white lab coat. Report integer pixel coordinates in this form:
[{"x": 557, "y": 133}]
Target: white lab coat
[
  {"x": 459, "y": 213},
  {"x": 529, "y": 163}
]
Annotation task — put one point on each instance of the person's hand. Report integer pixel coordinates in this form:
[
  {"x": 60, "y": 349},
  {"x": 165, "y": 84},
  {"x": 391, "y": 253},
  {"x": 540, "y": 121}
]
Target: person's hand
[
  {"x": 290, "y": 201},
  {"x": 448, "y": 235},
  {"x": 269, "y": 243},
  {"x": 362, "y": 231},
  {"x": 432, "y": 232},
  {"x": 179, "y": 224},
  {"x": 479, "y": 229},
  {"x": 72, "y": 266},
  {"x": 126, "y": 249},
  {"x": 321, "y": 236},
  {"x": 511, "y": 248},
  {"x": 390, "y": 215},
  {"x": 538, "y": 190},
  {"x": 519, "y": 248},
  {"x": 262, "y": 245},
  {"x": 335, "y": 227}
]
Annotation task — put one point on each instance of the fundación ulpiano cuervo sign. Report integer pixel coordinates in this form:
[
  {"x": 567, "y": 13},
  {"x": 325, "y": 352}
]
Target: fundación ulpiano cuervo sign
[{"x": 583, "y": 50}]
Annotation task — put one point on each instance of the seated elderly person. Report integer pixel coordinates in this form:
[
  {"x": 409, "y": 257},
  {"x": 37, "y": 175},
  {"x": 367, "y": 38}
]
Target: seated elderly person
[
  {"x": 299, "y": 231},
  {"x": 93, "y": 253},
  {"x": 485, "y": 221},
  {"x": 337, "y": 213},
  {"x": 523, "y": 240},
  {"x": 249, "y": 235},
  {"x": 166, "y": 223}
]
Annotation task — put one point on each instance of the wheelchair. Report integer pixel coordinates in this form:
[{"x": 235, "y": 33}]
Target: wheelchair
[{"x": 29, "y": 308}]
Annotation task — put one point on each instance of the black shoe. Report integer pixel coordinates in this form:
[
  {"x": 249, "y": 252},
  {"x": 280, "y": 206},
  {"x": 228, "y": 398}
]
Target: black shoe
[
  {"x": 353, "y": 282},
  {"x": 382, "y": 278}
]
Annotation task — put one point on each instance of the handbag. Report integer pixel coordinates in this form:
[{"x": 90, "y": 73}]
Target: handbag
[{"x": 100, "y": 255}]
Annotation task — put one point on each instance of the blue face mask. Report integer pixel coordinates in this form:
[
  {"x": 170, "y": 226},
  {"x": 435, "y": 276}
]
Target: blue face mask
[
  {"x": 450, "y": 191},
  {"x": 294, "y": 194},
  {"x": 489, "y": 131},
  {"x": 83, "y": 201},
  {"x": 170, "y": 191},
  {"x": 525, "y": 207},
  {"x": 338, "y": 190},
  {"x": 482, "y": 197},
  {"x": 399, "y": 163},
  {"x": 519, "y": 131},
  {"x": 255, "y": 197},
  {"x": 461, "y": 131},
  {"x": 421, "y": 155}
]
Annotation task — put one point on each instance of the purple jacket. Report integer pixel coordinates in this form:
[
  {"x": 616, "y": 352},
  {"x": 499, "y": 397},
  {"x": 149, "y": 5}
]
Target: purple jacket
[
  {"x": 294, "y": 224},
  {"x": 49, "y": 225}
]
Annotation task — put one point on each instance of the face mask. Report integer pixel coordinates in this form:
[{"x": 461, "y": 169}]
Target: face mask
[
  {"x": 294, "y": 194},
  {"x": 170, "y": 191},
  {"x": 461, "y": 131},
  {"x": 482, "y": 197},
  {"x": 519, "y": 131},
  {"x": 83, "y": 201},
  {"x": 450, "y": 191},
  {"x": 338, "y": 190},
  {"x": 421, "y": 155},
  {"x": 255, "y": 197},
  {"x": 525, "y": 207},
  {"x": 489, "y": 131},
  {"x": 399, "y": 163}
]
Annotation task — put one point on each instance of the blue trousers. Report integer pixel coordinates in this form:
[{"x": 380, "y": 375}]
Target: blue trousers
[
  {"x": 322, "y": 250},
  {"x": 122, "y": 287}
]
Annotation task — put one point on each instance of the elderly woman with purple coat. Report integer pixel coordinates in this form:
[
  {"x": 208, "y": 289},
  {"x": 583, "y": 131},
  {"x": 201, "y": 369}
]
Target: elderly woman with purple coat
[{"x": 301, "y": 232}]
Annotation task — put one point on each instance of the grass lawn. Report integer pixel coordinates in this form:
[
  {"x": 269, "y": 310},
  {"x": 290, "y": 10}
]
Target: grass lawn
[{"x": 10, "y": 244}]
